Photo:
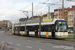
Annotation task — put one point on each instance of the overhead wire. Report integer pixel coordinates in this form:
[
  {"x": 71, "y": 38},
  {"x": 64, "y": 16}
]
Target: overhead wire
[{"x": 26, "y": 6}]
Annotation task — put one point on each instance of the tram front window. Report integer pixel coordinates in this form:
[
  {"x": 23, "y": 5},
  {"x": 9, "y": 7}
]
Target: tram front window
[{"x": 61, "y": 27}]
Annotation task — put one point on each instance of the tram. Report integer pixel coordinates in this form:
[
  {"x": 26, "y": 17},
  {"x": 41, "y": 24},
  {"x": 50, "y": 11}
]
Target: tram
[{"x": 50, "y": 28}]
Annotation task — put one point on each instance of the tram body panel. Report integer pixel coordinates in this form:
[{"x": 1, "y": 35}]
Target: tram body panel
[
  {"x": 31, "y": 33},
  {"x": 46, "y": 34},
  {"x": 43, "y": 34},
  {"x": 22, "y": 32},
  {"x": 16, "y": 32},
  {"x": 61, "y": 34},
  {"x": 46, "y": 28}
]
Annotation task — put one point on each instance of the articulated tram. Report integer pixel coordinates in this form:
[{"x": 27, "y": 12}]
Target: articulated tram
[{"x": 50, "y": 28}]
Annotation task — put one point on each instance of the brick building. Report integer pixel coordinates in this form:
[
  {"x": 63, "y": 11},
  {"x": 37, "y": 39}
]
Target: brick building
[
  {"x": 58, "y": 13},
  {"x": 5, "y": 24}
]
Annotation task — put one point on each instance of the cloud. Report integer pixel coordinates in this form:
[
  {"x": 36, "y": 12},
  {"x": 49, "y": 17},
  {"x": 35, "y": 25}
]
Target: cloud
[
  {"x": 11, "y": 15},
  {"x": 8, "y": 6},
  {"x": 1, "y": 1}
]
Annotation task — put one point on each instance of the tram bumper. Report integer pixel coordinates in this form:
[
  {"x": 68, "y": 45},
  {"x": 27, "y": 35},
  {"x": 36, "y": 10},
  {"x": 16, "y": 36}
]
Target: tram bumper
[{"x": 61, "y": 34}]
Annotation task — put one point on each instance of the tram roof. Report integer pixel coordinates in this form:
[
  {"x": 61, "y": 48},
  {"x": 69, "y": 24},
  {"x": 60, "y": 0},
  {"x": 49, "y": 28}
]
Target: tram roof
[{"x": 36, "y": 22}]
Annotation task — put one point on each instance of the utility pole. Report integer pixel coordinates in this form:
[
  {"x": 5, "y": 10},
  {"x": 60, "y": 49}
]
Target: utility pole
[
  {"x": 25, "y": 20},
  {"x": 63, "y": 9},
  {"x": 49, "y": 9},
  {"x": 49, "y": 14},
  {"x": 32, "y": 10},
  {"x": 40, "y": 26},
  {"x": 25, "y": 26},
  {"x": 49, "y": 4},
  {"x": 19, "y": 27}
]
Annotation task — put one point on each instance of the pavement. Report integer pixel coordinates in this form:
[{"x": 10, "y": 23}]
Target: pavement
[
  {"x": 31, "y": 43},
  {"x": 6, "y": 46},
  {"x": 1, "y": 45}
]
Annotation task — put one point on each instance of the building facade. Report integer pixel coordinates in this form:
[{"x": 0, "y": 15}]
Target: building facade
[
  {"x": 68, "y": 16},
  {"x": 46, "y": 16},
  {"x": 58, "y": 13},
  {"x": 5, "y": 24},
  {"x": 70, "y": 19}
]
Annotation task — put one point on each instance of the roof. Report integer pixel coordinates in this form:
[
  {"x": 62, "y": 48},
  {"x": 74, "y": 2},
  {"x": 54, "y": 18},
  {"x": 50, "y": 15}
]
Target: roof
[
  {"x": 22, "y": 19},
  {"x": 36, "y": 22}
]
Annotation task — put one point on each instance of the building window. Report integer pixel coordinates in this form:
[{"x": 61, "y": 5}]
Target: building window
[{"x": 65, "y": 16}]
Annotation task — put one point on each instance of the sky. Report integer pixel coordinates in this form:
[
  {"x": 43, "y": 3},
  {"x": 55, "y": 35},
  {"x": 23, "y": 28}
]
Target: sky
[{"x": 10, "y": 9}]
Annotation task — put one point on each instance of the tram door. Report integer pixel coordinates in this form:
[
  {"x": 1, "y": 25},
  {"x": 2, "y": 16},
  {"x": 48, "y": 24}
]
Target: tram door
[
  {"x": 18, "y": 30},
  {"x": 27, "y": 30},
  {"x": 14, "y": 30},
  {"x": 53, "y": 32},
  {"x": 36, "y": 31}
]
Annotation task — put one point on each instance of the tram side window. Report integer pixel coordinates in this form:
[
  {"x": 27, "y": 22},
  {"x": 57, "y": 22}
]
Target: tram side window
[
  {"x": 31, "y": 28},
  {"x": 27, "y": 27},
  {"x": 16, "y": 28},
  {"x": 43, "y": 28},
  {"x": 22, "y": 28},
  {"x": 49, "y": 28},
  {"x": 46, "y": 28},
  {"x": 36, "y": 27}
]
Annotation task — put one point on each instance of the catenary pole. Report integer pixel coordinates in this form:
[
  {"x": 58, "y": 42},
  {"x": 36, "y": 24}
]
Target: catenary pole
[
  {"x": 40, "y": 26},
  {"x": 32, "y": 10},
  {"x": 63, "y": 9}
]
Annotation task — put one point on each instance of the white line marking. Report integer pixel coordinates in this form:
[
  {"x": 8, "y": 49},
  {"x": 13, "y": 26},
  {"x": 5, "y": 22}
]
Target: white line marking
[
  {"x": 28, "y": 46},
  {"x": 3, "y": 41},
  {"x": 40, "y": 49},
  {"x": 18, "y": 44},
  {"x": 9, "y": 42}
]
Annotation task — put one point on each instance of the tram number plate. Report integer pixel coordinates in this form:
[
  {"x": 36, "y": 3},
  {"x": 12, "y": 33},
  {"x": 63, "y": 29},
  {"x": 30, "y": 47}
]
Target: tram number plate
[{"x": 64, "y": 34}]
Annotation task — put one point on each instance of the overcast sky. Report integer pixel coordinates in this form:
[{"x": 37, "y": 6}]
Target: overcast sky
[{"x": 9, "y": 9}]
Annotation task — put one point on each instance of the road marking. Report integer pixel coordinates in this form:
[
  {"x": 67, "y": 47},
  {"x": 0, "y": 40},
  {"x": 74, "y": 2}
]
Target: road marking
[
  {"x": 18, "y": 44},
  {"x": 40, "y": 49},
  {"x": 9, "y": 43},
  {"x": 28, "y": 46},
  {"x": 3, "y": 41}
]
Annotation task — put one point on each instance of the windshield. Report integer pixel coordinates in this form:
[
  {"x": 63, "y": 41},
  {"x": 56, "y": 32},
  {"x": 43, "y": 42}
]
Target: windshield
[{"x": 61, "y": 27}]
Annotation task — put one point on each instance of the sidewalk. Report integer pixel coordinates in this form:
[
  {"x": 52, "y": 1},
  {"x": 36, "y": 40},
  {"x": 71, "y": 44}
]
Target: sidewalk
[
  {"x": 69, "y": 40},
  {"x": 1, "y": 45},
  {"x": 4, "y": 46}
]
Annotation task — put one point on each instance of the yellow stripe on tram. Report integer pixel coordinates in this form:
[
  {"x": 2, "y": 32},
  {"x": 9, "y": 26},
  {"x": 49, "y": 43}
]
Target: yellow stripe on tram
[
  {"x": 47, "y": 34},
  {"x": 22, "y": 33},
  {"x": 64, "y": 34}
]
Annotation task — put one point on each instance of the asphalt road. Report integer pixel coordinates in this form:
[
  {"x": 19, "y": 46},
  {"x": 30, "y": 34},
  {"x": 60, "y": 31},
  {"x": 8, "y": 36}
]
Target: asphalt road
[{"x": 30, "y": 43}]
